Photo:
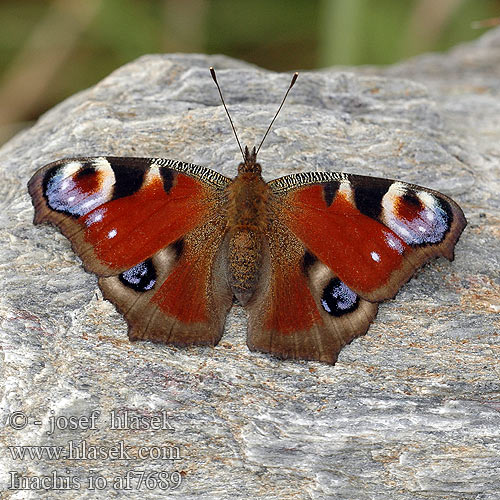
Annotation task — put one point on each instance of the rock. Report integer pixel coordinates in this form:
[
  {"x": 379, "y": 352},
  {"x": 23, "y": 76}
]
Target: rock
[{"x": 409, "y": 411}]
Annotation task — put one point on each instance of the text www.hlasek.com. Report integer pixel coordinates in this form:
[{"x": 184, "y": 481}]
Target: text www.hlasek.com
[{"x": 84, "y": 451}]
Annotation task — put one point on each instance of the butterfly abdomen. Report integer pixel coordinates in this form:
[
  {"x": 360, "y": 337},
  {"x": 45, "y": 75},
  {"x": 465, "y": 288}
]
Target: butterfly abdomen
[{"x": 247, "y": 223}]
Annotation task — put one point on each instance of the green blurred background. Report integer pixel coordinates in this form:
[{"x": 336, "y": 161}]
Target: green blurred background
[{"x": 51, "y": 49}]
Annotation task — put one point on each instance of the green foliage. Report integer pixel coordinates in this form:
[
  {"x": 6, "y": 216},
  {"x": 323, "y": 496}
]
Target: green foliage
[
  {"x": 16, "y": 26},
  {"x": 277, "y": 34}
]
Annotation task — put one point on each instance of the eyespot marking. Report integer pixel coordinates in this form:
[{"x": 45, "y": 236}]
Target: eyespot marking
[
  {"x": 76, "y": 188},
  {"x": 338, "y": 299},
  {"x": 417, "y": 217},
  {"x": 141, "y": 277}
]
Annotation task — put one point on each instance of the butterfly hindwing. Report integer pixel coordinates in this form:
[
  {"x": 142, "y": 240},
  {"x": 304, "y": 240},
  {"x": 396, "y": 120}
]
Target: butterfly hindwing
[
  {"x": 180, "y": 295},
  {"x": 372, "y": 233},
  {"x": 151, "y": 229},
  {"x": 302, "y": 310}
]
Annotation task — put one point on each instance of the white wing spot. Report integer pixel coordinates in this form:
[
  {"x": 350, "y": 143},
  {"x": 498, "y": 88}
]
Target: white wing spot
[
  {"x": 401, "y": 230},
  {"x": 95, "y": 216},
  {"x": 393, "y": 243},
  {"x": 375, "y": 256},
  {"x": 325, "y": 305},
  {"x": 112, "y": 233},
  {"x": 88, "y": 205}
]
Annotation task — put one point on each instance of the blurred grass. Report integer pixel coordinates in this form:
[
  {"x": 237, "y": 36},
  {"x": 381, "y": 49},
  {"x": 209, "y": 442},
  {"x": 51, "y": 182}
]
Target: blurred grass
[{"x": 51, "y": 49}]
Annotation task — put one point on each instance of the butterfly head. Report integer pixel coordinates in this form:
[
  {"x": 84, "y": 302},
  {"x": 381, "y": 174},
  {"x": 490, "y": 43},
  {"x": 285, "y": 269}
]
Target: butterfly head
[{"x": 250, "y": 162}]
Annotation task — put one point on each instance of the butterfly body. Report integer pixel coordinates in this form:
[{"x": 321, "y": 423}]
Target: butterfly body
[{"x": 247, "y": 227}]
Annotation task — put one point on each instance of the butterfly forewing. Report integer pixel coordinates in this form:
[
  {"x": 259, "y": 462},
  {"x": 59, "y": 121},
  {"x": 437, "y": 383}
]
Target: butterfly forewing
[{"x": 372, "y": 233}]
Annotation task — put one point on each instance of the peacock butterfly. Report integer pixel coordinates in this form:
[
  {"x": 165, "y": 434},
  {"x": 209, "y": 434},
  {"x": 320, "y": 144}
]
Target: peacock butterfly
[{"x": 308, "y": 255}]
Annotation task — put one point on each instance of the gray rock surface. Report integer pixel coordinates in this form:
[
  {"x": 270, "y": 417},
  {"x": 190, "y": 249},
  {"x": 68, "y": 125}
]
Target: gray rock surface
[{"x": 410, "y": 411}]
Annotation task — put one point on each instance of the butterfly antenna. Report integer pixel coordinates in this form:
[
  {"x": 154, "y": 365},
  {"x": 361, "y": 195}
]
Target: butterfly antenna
[
  {"x": 294, "y": 79},
  {"x": 212, "y": 72}
]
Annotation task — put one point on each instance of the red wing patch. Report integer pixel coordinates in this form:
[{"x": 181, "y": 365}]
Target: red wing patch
[
  {"x": 128, "y": 230},
  {"x": 361, "y": 251},
  {"x": 182, "y": 297},
  {"x": 291, "y": 306}
]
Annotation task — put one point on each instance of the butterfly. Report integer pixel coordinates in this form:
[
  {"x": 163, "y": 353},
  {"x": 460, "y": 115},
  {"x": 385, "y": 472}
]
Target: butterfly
[{"x": 308, "y": 255}]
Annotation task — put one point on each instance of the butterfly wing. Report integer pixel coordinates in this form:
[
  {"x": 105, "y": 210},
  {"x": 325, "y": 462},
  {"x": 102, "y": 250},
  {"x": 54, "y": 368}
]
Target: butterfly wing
[
  {"x": 151, "y": 229},
  {"x": 301, "y": 309},
  {"x": 364, "y": 236}
]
